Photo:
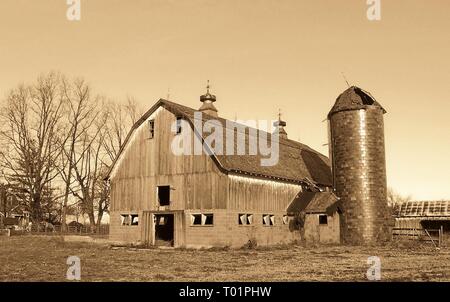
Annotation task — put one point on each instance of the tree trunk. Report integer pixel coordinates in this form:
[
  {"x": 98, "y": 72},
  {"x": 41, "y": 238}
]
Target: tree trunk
[
  {"x": 99, "y": 221},
  {"x": 64, "y": 208},
  {"x": 36, "y": 208},
  {"x": 91, "y": 220}
]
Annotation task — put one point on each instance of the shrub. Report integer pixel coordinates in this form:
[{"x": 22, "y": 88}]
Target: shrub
[{"x": 251, "y": 244}]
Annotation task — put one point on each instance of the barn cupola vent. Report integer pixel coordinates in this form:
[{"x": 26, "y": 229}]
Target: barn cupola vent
[
  {"x": 279, "y": 126},
  {"x": 208, "y": 100}
]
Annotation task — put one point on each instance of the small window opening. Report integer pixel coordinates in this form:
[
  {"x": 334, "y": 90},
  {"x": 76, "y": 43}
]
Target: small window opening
[
  {"x": 161, "y": 220},
  {"x": 208, "y": 219},
  {"x": 179, "y": 119},
  {"x": 268, "y": 219},
  {"x": 202, "y": 219},
  {"x": 285, "y": 219},
  {"x": 196, "y": 219},
  {"x": 151, "y": 128},
  {"x": 323, "y": 219},
  {"x": 134, "y": 219},
  {"x": 164, "y": 195},
  {"x": 125, "y": 219},
  {"x": 245, "y": 219}
]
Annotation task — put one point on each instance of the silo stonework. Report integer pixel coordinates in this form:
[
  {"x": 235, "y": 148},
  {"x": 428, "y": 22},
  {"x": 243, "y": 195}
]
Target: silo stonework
[{"x": 359, "y": 167}]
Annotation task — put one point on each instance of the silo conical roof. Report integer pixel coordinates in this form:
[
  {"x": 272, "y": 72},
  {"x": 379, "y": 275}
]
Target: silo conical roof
[{"x": 354, "y": 98}]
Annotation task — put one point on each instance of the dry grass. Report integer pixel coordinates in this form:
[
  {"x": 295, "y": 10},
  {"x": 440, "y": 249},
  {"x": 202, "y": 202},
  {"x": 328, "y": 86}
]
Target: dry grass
[{"x": 43, "y": 258}]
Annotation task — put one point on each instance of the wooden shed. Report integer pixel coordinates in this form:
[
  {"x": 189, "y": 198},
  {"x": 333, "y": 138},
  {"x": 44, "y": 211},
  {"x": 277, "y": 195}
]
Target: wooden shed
[
  {"x": 319, "y": 213},
  {"x": 424, "y": 215}
]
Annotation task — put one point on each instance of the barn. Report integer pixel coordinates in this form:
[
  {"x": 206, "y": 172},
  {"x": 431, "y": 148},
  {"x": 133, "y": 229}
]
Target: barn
[{"x": 213, "y": 198}]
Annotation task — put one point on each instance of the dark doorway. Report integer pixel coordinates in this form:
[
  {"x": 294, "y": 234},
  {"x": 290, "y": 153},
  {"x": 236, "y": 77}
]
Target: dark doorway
[
  {"x": 436, "y": 224},
  {"x": 164, "y": 230}
]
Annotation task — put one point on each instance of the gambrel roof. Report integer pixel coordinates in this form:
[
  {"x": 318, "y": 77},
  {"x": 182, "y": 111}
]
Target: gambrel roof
[{"x": 297, "y": 163}]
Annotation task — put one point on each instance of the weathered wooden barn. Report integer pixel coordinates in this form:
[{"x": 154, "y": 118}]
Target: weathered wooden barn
[{"x": 159, "y": 198}]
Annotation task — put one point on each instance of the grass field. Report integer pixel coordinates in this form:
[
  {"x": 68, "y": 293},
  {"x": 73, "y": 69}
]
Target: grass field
[{"x": 43, "y": 258}]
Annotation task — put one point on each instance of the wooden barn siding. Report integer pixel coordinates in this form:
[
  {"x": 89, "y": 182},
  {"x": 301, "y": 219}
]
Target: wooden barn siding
[
  {"x": 147, "y": 163},
  {"x": 249, "y": 194},
  {"x": 315, "y": 232}
]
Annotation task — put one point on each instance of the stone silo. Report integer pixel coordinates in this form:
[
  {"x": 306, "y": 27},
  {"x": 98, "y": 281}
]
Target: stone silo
[{"x": 359, "y": 167}]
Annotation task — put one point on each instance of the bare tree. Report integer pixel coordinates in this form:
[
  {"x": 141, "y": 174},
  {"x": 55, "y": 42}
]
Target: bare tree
[
  {"x": 81, "y": 113},
  {"x": 89, "y": 171},
  {"x": 120, "y": 120},
  {"x": 395, "y": 199},
  {"x": 32, "y": 130},
  {"x": 58, "y": 131},
  {"x": 132, "y": 110}
]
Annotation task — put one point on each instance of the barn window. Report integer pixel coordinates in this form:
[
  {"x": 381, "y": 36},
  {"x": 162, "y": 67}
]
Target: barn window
[
  {"x": 208, "y": 219},
  {"x": 161, "y": 220},
  {"x": 202, "y": 219},
  {"x": 323, "y": 219},
  {"x": 285, "y": 219},
  {"x": 164, "y": 195},
  {"x": 134, "y": 219},
  {"x": 245, "y": 219},
  {"x": 196, "y": 219},
  {"x": 125, "y": 219},
  {"x": 268, "y": 219},
  {"x": 179, "y": 119},
  {"x": 151, "y": 129}
]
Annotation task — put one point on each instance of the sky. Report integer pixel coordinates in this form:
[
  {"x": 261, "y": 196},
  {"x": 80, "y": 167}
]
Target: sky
[{"x": 260, "y": 56}]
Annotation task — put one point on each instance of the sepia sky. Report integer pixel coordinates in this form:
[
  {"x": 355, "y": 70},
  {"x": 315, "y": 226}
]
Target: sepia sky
[{"x": 259, "y": 56}]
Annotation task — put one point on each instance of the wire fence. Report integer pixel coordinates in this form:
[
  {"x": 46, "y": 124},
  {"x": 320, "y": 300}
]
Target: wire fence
[
  {"x": 103, "y": 230},
  {"x": 436, "y": 236}
]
